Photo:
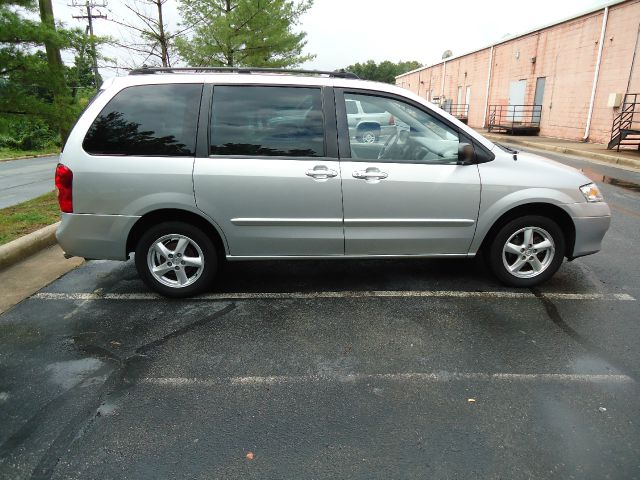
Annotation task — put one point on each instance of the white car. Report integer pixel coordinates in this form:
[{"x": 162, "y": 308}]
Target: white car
[{"x": 189, "y": 167}]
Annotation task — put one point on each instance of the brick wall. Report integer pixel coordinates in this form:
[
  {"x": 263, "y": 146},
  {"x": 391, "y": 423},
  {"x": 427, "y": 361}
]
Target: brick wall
[{"x": 565, "y": 54}]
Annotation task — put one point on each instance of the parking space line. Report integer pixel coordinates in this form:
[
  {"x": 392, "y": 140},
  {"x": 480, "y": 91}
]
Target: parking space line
[
  {"x": 440, "y": 377},
  {"x": 339, "y": 294}
]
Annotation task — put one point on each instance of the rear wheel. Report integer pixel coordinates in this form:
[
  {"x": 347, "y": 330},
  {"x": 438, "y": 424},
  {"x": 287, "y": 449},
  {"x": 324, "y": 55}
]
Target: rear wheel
[
  {"x": 176, "y": 259},
  {"x": 527, "y": 251}
]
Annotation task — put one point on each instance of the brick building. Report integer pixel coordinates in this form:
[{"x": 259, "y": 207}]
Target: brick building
[{"x": 570, "y": 69}]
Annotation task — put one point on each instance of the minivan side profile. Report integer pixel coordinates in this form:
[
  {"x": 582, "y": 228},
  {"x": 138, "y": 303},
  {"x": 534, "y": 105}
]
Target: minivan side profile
[{"x": 190, "y": 167}]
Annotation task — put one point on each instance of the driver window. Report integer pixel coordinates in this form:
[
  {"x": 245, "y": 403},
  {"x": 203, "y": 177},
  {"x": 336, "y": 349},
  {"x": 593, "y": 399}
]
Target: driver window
[{"x": 393, "y": 131}]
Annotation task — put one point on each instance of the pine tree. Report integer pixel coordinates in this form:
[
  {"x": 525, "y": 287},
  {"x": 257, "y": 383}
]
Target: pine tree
[
  {"x": 234, "y": 33},
  {"x": 33, "y": 79}
]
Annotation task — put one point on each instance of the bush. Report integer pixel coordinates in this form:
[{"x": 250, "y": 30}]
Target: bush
[{"x": 27, "y": 134}]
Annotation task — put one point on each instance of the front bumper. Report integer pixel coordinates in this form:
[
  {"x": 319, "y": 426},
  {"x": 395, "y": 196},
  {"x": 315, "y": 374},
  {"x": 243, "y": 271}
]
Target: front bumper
[
  {"x": 591, "y": 221},
  {"x": 95, "y": 236}
]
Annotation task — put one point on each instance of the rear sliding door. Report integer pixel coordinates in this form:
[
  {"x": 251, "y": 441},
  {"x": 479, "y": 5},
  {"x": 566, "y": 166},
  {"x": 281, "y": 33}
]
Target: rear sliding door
[{"x": 271, "y": 178}]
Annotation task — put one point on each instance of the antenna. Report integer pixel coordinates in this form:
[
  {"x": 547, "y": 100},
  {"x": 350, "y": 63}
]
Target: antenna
[{"x": 90, "y": 15}]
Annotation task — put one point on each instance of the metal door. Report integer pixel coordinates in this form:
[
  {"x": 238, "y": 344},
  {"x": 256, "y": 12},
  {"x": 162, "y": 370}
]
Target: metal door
[
  {"x": 517, "y": 91},
  {"x": 539, "y": 97}
]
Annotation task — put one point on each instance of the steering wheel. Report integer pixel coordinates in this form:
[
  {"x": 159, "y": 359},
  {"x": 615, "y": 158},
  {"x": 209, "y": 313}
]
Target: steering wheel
[{"x": 391, "y": 142}]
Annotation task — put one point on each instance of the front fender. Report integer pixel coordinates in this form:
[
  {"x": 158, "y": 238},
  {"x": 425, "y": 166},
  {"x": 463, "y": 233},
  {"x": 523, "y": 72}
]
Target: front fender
[{"x": 493, "y": 206}]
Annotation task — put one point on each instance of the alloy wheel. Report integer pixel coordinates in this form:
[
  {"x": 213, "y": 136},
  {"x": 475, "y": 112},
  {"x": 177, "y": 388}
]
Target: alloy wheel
[
  {"x": 528, "y": 252},
  {"x": 369, "y": 137},
  {"x": 175, "y": 260}
]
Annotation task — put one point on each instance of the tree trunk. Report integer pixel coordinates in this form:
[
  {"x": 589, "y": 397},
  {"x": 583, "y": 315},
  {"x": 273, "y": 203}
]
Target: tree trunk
[
  {"x": 56, "y": 68},
  {"x": 229, "y": 53},
  {"x": 164, "y": 47}
]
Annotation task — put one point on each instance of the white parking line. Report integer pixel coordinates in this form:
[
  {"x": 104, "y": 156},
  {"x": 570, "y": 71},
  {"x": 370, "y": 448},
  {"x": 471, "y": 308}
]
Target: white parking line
[
  {"x": 339, "y": 294},
  {"x": 440, "y": 377}
]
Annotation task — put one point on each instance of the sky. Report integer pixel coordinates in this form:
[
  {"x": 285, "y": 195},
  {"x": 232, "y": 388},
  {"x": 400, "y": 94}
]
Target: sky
[{"x": 343, "y": 32}]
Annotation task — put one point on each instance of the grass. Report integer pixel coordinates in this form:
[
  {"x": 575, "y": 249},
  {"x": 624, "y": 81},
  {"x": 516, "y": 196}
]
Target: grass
[
  {"x": 10, "y": 153},
  {"x": 28, "y": 217}
]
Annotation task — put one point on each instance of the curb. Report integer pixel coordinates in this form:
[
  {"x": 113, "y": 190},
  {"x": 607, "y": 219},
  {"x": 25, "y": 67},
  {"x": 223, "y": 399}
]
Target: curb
[
  {"x": 27, "y": 157},
  {"x": 611, "y": 159},
  {"x": 22, "y": 247}
]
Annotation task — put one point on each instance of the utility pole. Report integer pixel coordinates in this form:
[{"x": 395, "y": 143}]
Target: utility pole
[{"x": 89, "y": 5}]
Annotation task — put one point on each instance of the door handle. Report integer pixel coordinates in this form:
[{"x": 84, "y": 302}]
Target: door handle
[
  {"x": 321, "y": 172},
  {"x": 371, "y": 174}
]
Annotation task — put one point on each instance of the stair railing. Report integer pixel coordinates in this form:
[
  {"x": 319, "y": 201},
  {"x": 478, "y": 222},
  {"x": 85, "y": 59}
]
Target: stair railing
[{"x": 624, "y": 120}]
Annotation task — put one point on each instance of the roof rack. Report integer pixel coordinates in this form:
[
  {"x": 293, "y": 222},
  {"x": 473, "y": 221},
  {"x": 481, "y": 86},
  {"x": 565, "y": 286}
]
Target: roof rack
[{"x": 149, "y": 70}]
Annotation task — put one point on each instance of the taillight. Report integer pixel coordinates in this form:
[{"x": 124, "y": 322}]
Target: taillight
[
  {"x": 64, "y": 182},
  {"x": 392, "y": 120}
]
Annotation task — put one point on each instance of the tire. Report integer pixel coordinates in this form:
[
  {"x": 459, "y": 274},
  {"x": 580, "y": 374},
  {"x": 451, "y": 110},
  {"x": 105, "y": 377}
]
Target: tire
[
  {"x": 179, "y": 241},
  {"x": 516, "y": 262},
  {"x": 368, "y": 135}
]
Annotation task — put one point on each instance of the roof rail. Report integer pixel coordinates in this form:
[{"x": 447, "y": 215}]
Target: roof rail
[{"x": 149, "y": 70}]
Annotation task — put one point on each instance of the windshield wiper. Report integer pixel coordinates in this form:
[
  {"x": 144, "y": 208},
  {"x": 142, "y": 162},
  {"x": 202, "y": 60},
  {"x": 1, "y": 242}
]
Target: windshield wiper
[{"x": 509, "y": 150}]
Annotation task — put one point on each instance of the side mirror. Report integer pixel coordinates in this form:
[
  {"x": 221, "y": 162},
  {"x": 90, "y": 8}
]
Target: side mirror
[{"x": 466, "y": 154}]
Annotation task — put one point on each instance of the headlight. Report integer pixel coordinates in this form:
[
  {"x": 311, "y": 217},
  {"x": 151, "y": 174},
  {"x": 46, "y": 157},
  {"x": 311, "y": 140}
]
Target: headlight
[{"x": 591, "y": 192}]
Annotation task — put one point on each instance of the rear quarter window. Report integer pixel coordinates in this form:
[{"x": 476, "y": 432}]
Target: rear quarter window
[{"x": 147, "y": 120}]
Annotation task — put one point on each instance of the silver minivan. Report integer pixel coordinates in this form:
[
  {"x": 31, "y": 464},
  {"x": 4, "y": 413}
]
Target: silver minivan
[{"x": 188, "y": 167}]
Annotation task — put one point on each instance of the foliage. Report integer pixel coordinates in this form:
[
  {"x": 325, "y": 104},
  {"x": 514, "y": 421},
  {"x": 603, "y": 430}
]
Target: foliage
[
  {"x": 257, "y": 33},
  {"x": 34, "y": 85},
  {"x": 28, "y": 217},
  {"x": 81, "y": 75},
  {"x": 385, "y": 71},
  {"x": 27, "y": 134}
]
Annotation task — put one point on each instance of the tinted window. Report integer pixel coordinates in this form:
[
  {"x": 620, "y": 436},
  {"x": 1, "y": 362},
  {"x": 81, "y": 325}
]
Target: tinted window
[
  {"x": 271, "y": 121},
  {"x": 147, "y": 120},
  {"x": 409, "y": 134},
  {"x": 352, "y": 108}
]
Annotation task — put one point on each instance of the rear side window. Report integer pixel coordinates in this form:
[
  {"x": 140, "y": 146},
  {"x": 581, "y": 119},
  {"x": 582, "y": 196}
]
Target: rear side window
[
  {"x": 267, "y": 121},
  {"x": 156, "y": 120}
]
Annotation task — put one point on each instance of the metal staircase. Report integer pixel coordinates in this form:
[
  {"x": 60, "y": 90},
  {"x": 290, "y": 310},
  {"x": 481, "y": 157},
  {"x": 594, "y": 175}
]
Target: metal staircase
[
  {"x": 515, "y": 119},
  {"x": 458, "y": 110},
  {"x": 625, "y": 131}
]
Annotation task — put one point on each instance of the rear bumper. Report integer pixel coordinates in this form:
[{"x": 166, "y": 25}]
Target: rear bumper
[
  {"x": 95, "y": 236},
  {"x": 591, "y": 221}
]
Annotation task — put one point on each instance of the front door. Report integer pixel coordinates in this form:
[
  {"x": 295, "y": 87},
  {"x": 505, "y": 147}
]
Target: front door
[
  {"x": 406, "y": 194},
  {"x": 270, "y": 180}
]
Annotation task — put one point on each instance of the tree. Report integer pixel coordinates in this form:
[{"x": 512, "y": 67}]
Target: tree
[
  {"x": 82, "y": 75},
  {"x": 33, "y": 79},
  {"x": 152, "y": 41},
  {"x": 385, "y": 71},
  {"x": 232, "y": 33}
]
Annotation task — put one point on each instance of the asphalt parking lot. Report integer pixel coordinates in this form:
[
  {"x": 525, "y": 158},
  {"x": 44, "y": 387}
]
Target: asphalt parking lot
[{"x": 344, "y": 369}]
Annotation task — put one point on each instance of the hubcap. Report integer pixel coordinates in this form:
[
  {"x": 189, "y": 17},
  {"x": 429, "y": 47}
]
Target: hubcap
[
  {"x": 528, "y": 252},
  {"x": 368, "y": 137},
  {"x": 175, "y": 260}
]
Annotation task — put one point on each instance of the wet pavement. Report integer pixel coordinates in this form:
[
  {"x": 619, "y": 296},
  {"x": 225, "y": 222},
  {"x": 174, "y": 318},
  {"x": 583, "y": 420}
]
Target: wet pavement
[{"x": 345, "y": 369}]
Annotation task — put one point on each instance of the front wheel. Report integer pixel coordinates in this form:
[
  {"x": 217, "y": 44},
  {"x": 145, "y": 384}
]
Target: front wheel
[
  {"x": 176, "y": 259},
  {"x": 527, "y": 251}
]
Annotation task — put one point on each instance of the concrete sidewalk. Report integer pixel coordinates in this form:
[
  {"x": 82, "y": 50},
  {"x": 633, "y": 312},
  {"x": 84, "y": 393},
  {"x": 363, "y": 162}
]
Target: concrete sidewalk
[
  {"x": 595, "y": 151},
  {"x": 23, "y": 279}
]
